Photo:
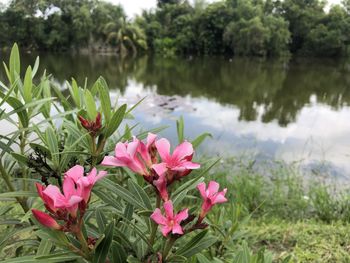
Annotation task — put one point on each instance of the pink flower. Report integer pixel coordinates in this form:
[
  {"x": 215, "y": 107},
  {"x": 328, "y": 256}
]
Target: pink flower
[
  {"x": 169, "y": 222},
  {"x": 84, "y": 183},
  {"x": 148, "y": 150},
  {"x": 179, "y": 163},
  {"x": 161, "y": 185},
  {"x": 48, "y": 202},
  {"x": 135, "y": 155},
  {"x": 70, "y": 198},
  {"x": 125, "y": 155},
  {"x": 210, "y": 196},
  {"x": 45, "y": 219}
]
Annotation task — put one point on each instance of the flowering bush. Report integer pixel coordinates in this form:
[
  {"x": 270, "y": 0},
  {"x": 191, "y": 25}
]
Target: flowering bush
[
  {"x": 70, "y": 197},
  {"x": 142, "y": 202}
]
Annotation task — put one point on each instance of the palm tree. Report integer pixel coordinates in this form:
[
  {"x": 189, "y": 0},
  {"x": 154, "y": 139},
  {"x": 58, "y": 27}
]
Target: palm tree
[{"x": 126, "y": 37}]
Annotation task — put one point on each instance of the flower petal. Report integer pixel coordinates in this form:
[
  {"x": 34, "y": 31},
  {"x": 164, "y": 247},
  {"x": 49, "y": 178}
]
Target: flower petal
[
  {"x": 52, "y": 192},
  {"x": 73, "y": 200},
  {"x": 163, "y": 148},
  {"x": 169, "y": 211},
  {"x": 75, "y": 173},
  {"x": 45, "y": 219},
  {"x": 220, "y": 197},
  {"x": 158, "y": 217},
  {"x": 177, "y": 229},
  {"x": 191, "y": 165},
  {"x": 160, "y": 168},
  {"x": 112, "y": 161},
  {"x": 181, "y": 215},
  {"x": 132, "y": 148},
  {"x": 69, "y": 187},
  {"x": 183, "y": 150},
  {"x": 213, "y": 187},
  {"x": 151, "y": 138},
  {"x": 201, "y": 189},
  {"x": 165, "y": 230}
]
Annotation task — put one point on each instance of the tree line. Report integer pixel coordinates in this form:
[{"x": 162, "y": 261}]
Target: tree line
[{"x": 180, "y": 27}]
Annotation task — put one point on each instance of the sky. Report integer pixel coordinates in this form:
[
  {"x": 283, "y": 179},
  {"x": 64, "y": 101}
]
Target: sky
[{"x": 134, "y": 7}]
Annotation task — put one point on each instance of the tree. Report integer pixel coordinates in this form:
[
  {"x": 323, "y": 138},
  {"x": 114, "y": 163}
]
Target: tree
[{"x": 127, "y": 38}]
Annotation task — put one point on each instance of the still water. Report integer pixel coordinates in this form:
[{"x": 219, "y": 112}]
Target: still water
[{"x": 292, "y": 110}]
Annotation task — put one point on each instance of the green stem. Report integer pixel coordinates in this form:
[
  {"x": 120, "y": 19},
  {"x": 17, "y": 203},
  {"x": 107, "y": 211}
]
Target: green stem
[
  {"x": 83, "y": 243},
  {"x": 11, "y": 188},
  {"x": 154, "y": 225},
  {"x": 168, "y": 245}
]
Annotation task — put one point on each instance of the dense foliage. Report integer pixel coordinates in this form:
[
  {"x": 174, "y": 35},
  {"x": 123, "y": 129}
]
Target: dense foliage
[
  {"x": 231, "y": 27},
  {"x": 248, "y": 27},
  {"x": 57, "y": 204},
  {"x": 62, "y": 25}
]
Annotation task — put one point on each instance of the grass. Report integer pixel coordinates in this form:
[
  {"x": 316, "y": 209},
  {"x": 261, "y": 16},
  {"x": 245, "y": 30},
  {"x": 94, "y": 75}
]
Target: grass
[
  {"x": 306, "y": 241},
  {"x": 289, "y": 213}
]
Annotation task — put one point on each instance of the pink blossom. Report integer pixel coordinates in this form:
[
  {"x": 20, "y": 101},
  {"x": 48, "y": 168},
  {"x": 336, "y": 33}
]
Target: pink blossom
[
  {"x": 135, "y": 155},
  {"x": 210, "y": 196},
  {"x": 161, "y": 185},
  {"x": 45, "y": 219},
  {"x": 169, "y": 222},
  {"x": 125, "y": 155},
  {"x": 179, "y": 163},
  {"x": 84, "y": 183},
  {"x": 148, "y": 150},
  {"x": 70, "y": 198},
  {"x": 48, "y": 202}
]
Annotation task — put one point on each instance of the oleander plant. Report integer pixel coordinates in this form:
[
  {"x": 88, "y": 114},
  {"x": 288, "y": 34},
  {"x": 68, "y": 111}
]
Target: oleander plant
[{"x": 77, "y": 186}]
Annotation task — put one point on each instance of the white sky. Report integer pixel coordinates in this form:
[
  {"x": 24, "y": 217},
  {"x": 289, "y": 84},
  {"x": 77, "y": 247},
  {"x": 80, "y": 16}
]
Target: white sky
[{"x": 133, "y": 7}]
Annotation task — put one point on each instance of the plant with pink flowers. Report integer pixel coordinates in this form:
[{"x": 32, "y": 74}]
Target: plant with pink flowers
[{"x": 147, "y": 210}]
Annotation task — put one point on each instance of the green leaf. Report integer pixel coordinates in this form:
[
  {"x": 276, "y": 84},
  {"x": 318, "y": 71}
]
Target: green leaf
[
  {"x": 180, "y": 129},
  {"x": 59, "y": 238},
  {"x": 102, "y": 250},
  {"x": 25, "y": 259},
  {"x": 52, "y": 145},
  {"x": 15, "y": 66},
  {"x": 58, "y": 257},
  {"x": 202, "y": 259},
  {"x": 28, "y": 84},
  {"x": 118, "y": 253},
  {"x": 90, "y": 105},
  {"x": 20, "y": 109},
  {"x": 101, "y": 220},
  {"x": 20, "y": 158},
  {"x": 18, "y": 194},
  {"x": 36, "y": 66},
  {"x": 123, "y": 193},
  {"x": 140, "y": 194},
  {"x": 75, "y": 93},
  {"x": 105, "y": 98},
  {"x": 8, "y": 235},
  {"x": 44, "y": 247},
  {"x": 42, "y": 148},
  {"x": 198, "y": 141},
  {"x": 115, "y": 121},
  {"x": 196, "y": 244}
]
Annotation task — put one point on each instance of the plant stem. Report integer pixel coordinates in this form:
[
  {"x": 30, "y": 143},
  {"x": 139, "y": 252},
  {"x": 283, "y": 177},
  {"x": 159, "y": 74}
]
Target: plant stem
[
  {"x": 154, "y": 224},
  {"x": 11, "y": 188},
  {"x": 168, "y": 245},
  {"x": 83, "y": 242}
]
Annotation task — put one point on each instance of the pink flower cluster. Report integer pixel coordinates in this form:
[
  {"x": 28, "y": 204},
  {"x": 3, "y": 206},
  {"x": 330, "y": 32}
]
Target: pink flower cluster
[
  {"x": 154, "y": 161},
  {"x": 142, "y": 159},
  {"x": 69, "y": 205}
]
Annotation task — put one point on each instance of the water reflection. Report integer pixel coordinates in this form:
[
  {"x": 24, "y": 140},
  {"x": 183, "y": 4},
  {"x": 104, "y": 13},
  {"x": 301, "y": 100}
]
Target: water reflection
[{"x": 294, "y": 110}]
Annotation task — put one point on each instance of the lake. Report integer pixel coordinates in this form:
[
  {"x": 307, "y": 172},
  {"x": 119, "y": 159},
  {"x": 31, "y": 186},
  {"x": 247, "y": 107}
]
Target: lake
[{"x": 295, "y": 110}]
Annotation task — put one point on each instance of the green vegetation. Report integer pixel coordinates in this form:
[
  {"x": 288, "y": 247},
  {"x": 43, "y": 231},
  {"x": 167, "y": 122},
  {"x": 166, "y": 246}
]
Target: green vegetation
[{"x": 230, "y": 27}]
